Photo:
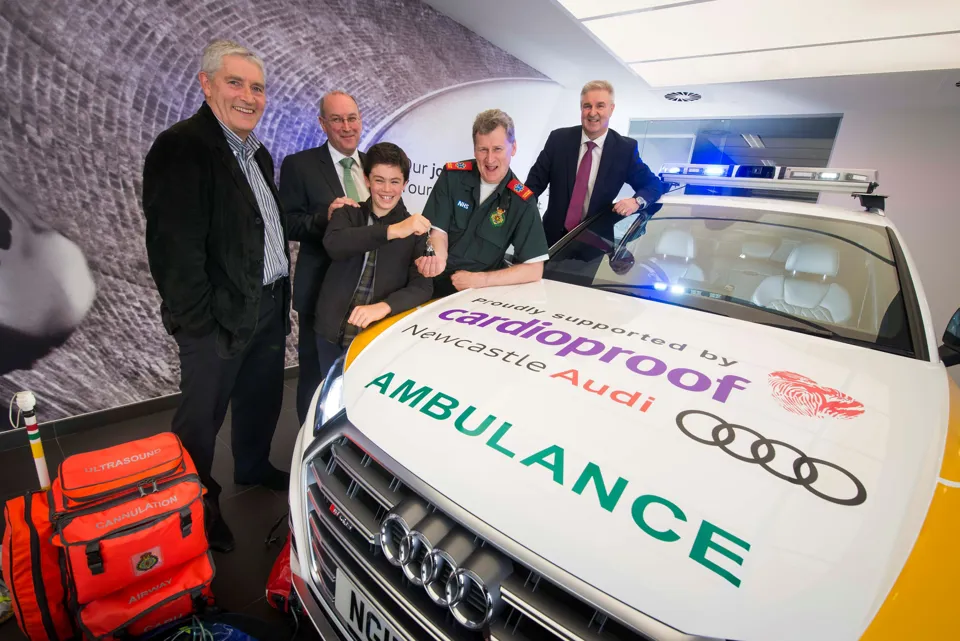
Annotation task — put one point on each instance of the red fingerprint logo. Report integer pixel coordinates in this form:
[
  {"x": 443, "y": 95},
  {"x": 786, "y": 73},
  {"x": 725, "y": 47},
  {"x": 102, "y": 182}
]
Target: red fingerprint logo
[{"x": 804, "y": 396}]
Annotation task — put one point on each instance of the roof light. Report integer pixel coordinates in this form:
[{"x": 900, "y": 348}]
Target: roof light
[
  {"x": 677, "y": 289},
  {"x": 771, "y": 177},
  {"x": 696, "y": 169},
  {"x": 756, "y": 171},
  {"x": 660, "y": 287}
]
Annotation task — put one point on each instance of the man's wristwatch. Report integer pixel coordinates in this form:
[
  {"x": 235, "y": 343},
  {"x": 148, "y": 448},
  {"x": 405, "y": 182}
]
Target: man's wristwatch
[{"x": 641, "y": 202}]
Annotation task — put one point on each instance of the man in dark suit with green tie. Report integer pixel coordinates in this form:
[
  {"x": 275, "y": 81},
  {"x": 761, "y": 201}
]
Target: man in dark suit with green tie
[{"x": 313, "y": 184}]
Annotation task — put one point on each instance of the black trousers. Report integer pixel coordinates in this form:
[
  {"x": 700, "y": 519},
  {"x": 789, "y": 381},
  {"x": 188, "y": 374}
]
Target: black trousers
[
  {"x": 311, "y": 374},
  {"x": 252, "y": 382},
  {"x": 327, "y": 354}
]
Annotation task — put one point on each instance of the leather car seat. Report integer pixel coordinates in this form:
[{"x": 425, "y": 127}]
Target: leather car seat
[
  {"x": 675, "y": 252},
  {"x": 807, "y": 290}
]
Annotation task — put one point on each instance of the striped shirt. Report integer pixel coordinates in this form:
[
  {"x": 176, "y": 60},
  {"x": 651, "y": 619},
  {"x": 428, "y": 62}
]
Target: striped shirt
[{"x": 274, "y": 257}]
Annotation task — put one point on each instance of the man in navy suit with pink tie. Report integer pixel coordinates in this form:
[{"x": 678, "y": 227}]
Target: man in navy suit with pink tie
[{"x": 586, "y": 167}]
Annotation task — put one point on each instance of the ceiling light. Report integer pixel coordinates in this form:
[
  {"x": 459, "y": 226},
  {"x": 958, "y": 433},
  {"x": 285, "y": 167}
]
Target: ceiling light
[
  {"x": 857, "y": 38},
  {"x": 585, "y": 9},
  {"x": 683, "y": 96},
  {"x": 753, "y": 140},
  {"x": 768, "y": 163},
  {"x": 888, "y": 56},
  {"x": 712, "y": 28}
]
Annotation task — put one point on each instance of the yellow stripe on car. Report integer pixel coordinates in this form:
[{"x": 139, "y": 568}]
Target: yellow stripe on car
[
  {"x": 950, "y": 469},
  {"x": 366, "y": 337},
  {"x": 923, "y": 603}
]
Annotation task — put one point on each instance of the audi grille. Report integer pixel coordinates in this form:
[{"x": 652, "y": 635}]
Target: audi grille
[{"x": 427, "y": 572}]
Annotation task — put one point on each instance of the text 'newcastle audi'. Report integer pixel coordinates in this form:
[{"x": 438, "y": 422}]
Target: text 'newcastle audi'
[{"x": 719, "y": 418}]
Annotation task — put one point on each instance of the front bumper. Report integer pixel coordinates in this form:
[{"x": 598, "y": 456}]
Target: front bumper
[
  {"x": 342, "y": 487},
  {"x": 326, "y": 623},
  {"x": 307, "y": 579}
]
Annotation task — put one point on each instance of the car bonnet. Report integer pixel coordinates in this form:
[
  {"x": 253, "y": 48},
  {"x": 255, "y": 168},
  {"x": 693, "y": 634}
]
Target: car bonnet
[{"x": 729, "y": 479}]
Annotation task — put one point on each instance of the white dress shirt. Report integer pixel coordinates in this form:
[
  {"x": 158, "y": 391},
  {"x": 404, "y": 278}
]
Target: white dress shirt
[{"x": 356, "y": 171}]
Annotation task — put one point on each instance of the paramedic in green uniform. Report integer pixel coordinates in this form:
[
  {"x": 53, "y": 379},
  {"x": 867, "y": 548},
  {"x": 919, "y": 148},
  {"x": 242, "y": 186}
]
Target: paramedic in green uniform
[{"x": 478, "y": 209}]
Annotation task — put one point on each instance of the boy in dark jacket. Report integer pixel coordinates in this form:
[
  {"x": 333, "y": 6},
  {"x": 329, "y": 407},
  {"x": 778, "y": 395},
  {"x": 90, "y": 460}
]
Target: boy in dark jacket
[{"x": 372, "y": 248}]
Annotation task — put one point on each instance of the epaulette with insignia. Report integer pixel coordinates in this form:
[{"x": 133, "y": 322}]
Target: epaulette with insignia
[
  {"x": 520, "y": 189},
  {"x": 463, "y": 165}
]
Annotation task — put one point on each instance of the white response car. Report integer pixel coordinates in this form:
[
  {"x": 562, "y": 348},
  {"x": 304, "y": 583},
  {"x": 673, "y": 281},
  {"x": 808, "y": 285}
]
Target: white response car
[{"x": 724, "y": 418}]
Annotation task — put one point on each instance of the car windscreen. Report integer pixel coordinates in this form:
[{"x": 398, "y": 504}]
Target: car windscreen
[{"x": 833, "y": 278}]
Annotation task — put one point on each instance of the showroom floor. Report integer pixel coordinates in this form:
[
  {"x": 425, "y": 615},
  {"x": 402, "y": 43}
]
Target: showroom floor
[{"x": 241, "y": 576}]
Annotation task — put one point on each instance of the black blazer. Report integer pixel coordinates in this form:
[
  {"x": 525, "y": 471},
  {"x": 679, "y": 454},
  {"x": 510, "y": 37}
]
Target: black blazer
[
  {"x": 205, "y": 233},
  {"x": 308, "y": 184},
  {"x": 557, "y": 165},
  {"x": 397, "y": 281}
]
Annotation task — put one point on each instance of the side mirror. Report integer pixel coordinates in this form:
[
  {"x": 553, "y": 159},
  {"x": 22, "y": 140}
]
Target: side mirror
[{"x": 950, "y": 350}]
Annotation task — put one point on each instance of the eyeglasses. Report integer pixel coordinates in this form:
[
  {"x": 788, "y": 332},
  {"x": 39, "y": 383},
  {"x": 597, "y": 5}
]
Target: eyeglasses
[{"x": 337, "y": 120}]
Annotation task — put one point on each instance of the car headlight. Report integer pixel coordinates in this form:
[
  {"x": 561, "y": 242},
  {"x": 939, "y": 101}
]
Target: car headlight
[{"x": 330, "y": 402}]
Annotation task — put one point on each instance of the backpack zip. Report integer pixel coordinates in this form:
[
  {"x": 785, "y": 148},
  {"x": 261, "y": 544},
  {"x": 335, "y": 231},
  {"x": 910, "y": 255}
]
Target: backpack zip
[
  {"x": 13, "y": 592},
  {"x": 129, "y": 529},
  {"x": 198, "y": 588},
  {"x": 37, "y": 572},
  {"x": 70, "y": 516},
  {"x": 125, "y": 488}
]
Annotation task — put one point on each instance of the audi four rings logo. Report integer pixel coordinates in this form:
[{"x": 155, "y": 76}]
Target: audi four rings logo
[
  {"x": 454, "y": 568},
  {"x": 806, "y": 469}
]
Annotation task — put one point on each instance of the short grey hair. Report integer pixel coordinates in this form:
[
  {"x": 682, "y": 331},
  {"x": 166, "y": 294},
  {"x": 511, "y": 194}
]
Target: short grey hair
[
  {"x": 489, "y": 120},
  {"x": 214, "y": 53},
  {"x": 598, "y": 85},
  {"x": 337, "y": 92}
]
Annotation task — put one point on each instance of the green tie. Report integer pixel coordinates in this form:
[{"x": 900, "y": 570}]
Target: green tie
[{"x": 351, "y": 189}]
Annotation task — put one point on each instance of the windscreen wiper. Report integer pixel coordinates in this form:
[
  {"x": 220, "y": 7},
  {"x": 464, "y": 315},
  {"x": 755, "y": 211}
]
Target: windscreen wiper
[
  {"x": 798, "y": 324},
  {"x": 807, "y": 326},
  {"x": 614, "y": 286},
  {"x": 795, "y": 324}
]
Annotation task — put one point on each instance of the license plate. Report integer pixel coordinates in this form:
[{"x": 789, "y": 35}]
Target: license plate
[{"x": 361, "y": 615}]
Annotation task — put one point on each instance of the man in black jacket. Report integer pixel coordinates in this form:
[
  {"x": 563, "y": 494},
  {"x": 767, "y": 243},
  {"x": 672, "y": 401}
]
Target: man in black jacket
[
  {"x": 314, "y": 183},
  {"x": 217, "y": 249},
  {"x": 373, "y": 248}
]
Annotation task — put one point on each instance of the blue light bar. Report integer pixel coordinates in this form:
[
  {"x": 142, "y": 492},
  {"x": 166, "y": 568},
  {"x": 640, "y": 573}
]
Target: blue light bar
[
  {"x": 812, "y": 179},
  {"x": 697, "y": 170}
]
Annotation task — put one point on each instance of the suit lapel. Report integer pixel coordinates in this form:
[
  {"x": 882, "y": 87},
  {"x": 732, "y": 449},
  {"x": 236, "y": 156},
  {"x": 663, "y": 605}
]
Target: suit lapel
[
  {"x": 233, "y": 166},
  {"x": 329, "y": 170},
  {"x": 572, "y": 165},
  {"x": 219, "y": 142}
]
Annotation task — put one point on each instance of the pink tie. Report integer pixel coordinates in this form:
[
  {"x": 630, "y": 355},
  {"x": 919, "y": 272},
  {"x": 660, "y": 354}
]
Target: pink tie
[{"x": 575, "y": 208}]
